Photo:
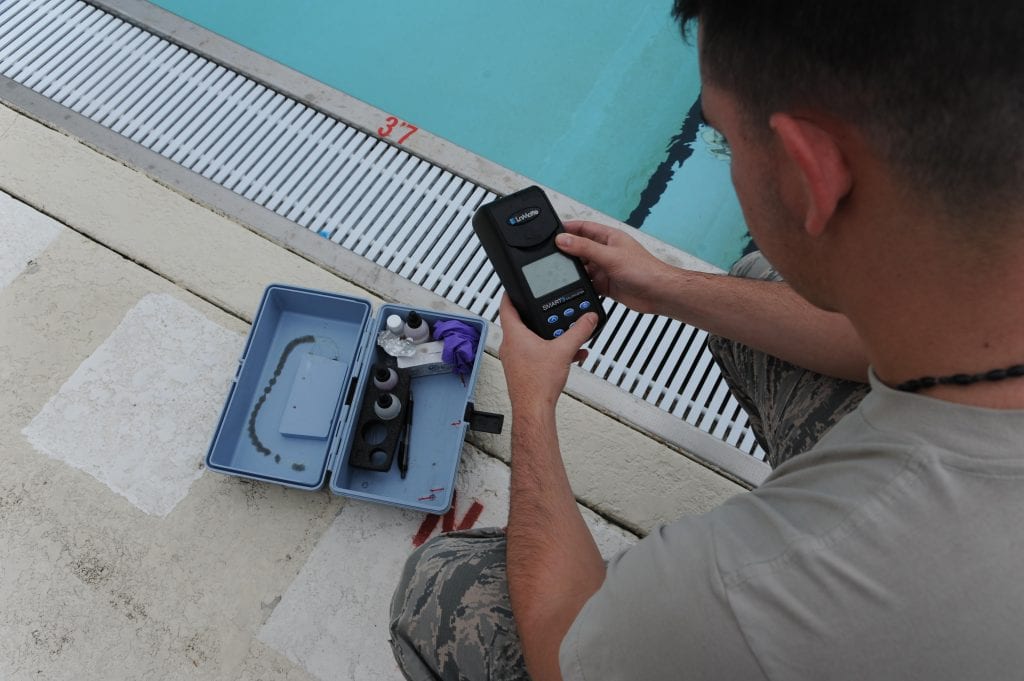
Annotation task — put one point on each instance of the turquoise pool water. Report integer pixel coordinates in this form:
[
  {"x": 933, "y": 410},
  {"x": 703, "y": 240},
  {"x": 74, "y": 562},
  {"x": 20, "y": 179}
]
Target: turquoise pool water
[{"x": 584, "y": 97}]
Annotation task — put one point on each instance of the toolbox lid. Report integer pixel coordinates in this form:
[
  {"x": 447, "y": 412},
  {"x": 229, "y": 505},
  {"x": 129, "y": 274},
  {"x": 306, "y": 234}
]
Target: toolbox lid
[{"x": 287, "y": 399}]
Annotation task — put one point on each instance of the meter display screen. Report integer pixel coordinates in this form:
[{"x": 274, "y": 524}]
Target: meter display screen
[{"x": 550, "y": 273}]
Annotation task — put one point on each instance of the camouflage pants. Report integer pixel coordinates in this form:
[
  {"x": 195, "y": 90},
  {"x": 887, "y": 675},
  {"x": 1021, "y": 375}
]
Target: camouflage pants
[
  {"x": 789, "y": 408},
  {"x": 450, "y": 615}
]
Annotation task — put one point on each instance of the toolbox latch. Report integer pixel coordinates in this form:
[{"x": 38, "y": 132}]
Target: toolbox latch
[{"x": 483, "y": 421}]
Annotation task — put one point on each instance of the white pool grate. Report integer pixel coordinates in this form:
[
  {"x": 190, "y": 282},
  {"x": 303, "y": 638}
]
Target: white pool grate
[{"x": 369, "y": 196}]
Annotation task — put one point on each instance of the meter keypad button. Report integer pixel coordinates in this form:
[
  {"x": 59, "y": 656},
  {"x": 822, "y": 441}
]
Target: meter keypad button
[
  {"x": 553, "y": 319},
  {"x": 585, "y": 305},
  {"x": 569, "y": 312},
  {"x": 558, "y": 332}
]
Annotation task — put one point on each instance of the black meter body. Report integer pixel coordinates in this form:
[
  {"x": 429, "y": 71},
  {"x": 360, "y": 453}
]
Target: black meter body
[{"x": 550, "y": 289}]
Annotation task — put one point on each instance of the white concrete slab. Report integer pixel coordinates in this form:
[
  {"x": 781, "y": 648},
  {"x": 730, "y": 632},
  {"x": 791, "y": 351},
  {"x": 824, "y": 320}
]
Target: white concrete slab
[
  {"x": 138, "y": 409},
  {"x": 226, "y": 264},
  {"x": 92, "y": 588},
  {"x": 333, "y": 620},
  {"x": 24, "y": 234}
]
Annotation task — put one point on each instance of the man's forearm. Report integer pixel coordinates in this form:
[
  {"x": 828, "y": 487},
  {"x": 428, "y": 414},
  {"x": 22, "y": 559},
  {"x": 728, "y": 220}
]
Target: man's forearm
[
  {"x": 553, "y": 563},
  {"x": 767, "y": 316}
]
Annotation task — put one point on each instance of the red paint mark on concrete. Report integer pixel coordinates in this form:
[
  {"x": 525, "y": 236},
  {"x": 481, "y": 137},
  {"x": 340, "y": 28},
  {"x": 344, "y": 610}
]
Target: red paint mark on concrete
[
  {"x": 426, "y": 528},
  {"x": 448, "y": 521},
  {"x": 468, "y": 520}
]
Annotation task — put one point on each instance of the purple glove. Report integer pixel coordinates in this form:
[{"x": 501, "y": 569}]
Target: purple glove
[{"x": 460, "y": 341}]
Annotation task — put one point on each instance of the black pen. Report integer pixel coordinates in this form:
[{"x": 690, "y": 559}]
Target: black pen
[{"x": 403, "y": 451}]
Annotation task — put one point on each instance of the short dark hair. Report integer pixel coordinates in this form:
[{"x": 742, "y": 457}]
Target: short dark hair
[{"x": 937, "y": 85}]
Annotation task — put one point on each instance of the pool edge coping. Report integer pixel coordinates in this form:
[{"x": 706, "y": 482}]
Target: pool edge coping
[{"x": 366, "y": 118}]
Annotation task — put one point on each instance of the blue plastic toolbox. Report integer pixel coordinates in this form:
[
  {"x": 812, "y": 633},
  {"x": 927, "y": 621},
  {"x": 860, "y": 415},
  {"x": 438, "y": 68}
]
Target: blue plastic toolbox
[{"x": 299, "y": 411}]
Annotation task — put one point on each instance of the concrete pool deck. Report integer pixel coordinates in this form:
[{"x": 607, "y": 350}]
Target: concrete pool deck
[{"x": 123, "y": 308}]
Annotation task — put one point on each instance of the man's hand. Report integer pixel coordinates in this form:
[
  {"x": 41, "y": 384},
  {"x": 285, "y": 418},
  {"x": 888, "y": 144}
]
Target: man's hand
[
  {"x": 536, "y": 369},
  {"x": 767, "y": 316},
  {"x": 618, "y": 265},
  {"x": 553, "y": 563}
]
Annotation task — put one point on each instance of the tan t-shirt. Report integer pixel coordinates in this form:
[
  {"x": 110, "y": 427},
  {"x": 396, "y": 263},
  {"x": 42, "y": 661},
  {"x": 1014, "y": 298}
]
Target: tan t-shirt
[{"x": 892, "y": 550}]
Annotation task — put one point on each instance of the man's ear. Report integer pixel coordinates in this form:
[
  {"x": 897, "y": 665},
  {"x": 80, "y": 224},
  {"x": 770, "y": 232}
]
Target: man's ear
[{"x": 820, "y": 164}]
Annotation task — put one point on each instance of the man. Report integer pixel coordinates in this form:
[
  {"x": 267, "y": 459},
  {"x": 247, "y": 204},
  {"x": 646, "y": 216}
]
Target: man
[{"x": 877, "y": 155}]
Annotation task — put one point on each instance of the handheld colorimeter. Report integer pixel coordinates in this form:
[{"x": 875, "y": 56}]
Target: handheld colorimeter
[{"x": 549, "y": 288}]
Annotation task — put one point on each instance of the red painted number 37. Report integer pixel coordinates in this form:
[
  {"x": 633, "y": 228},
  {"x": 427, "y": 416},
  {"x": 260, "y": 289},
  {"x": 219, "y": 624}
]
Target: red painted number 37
[{"x": 392, "y": 124}]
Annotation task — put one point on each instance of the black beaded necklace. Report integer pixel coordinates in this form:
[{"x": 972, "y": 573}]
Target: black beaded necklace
[
  {"x": 256, "y": 442},
  {"x": 1016, "y": 371}
]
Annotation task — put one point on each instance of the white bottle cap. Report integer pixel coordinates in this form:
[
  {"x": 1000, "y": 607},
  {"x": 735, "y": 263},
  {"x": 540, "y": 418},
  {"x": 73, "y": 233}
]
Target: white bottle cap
[{"x": 395, "y": 324}]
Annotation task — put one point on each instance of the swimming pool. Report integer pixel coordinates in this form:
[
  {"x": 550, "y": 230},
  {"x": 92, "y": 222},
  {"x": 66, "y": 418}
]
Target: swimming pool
[{"x": 587, "y": 98}]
